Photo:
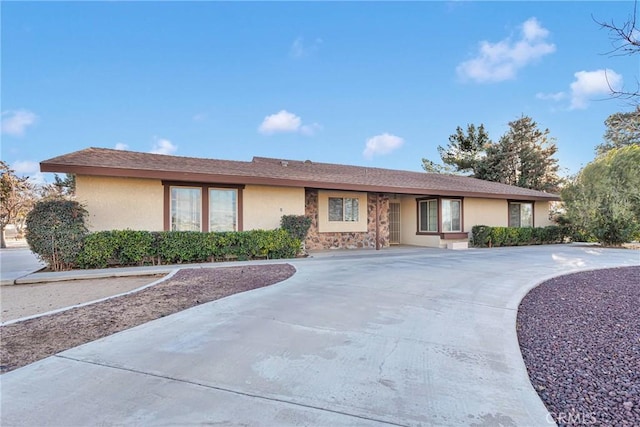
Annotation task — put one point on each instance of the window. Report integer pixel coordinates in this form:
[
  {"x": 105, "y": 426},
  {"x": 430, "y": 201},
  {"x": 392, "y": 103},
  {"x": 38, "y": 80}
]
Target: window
[
  {"x": 186, "y": 207},
  {"x": 440, "y": 216},
  {"x": 428, "y": 218},
  {"x": 451, "y": 215},
  {"x": 223, "y": 212},
  {"x": 343, "y": 209},
  {"x": 202, "y": 207},
  {"x": 342, "y": 212},
  {"x": 520, "y": 214}
]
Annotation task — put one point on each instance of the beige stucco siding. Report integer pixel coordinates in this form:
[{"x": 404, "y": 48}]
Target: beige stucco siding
[
  {"x": 264, "y": 206},
  {"x": 491, "y": 212},
  {"x": 541, "y": 214},
  {"x": 121, "y": 203},
  {"x": 409, "y": 225},
  {"x": 476, "y": 211}
]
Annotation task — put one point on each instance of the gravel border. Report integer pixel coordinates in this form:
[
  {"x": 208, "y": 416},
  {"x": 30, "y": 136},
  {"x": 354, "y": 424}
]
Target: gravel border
[{"x": 580, "y": 340}]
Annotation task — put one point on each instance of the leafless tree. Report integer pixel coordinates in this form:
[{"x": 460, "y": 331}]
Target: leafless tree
[{"x": 625, "y": 39}]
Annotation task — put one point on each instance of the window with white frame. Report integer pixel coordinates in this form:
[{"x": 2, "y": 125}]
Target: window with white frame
[
  {"x": 440, "y": 216},
  {"x": 186, "y": 205},
  {"x": 520, "y": 214},
  {"x": 428, "y": 216},
  {"x": 343, "y": 209},
  {"x": 223, "y": 209},
  {"x": 200, "y": 207},
  {"x": 451, "y": 221}
]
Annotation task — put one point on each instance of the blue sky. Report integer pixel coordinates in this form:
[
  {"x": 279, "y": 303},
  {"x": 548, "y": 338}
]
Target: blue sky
[{"x": 375, "y": 84}]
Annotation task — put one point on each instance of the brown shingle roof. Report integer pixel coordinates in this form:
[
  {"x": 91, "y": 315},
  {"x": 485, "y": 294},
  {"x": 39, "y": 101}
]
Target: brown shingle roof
[{"x": 267, "y": 171}]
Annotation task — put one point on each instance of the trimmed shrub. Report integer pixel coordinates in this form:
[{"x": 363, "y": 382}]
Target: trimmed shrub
[
  {"x": 480, "y": 235},
  {"x": 117, "y": 247},
  {"x": 97, "y": 250},
  {"x": 483, "y": 236},
  {"x": 129, "y": 247},
  {"x": 177, "y": 247},
  {"x": 55, "y": 232},
  {"x": 297, "y": 225}
]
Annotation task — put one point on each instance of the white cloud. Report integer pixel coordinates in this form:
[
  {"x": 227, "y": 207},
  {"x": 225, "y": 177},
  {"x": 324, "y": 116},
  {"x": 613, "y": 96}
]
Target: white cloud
[
  {"x": 382, "y": 144},
  {"x": 496, "y": 62},
  {"x": 286, "y": 122},
  {"x": 282, "y": 121},
  {"x": 163, "y": 146},
  {"x": 590, "y": 84},
  {"x": 16, "y": 122},
  {"x": 31, "y": 169},
  {"x": 300, "y": 50},
  {"x": 38, "y": 179},
  {"x": 121, "y": 146},
  {"x": 558, "y": 96},
  {"x": 25, "y": 167}
]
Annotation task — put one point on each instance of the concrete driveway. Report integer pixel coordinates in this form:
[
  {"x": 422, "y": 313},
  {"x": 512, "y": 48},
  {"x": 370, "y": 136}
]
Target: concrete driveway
[
  {"x": 398, "y": 337},
  {"x": 16, "y": 263}
]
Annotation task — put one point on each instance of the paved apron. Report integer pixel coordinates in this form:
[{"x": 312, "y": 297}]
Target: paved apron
[{"x": 397, "y": 337}]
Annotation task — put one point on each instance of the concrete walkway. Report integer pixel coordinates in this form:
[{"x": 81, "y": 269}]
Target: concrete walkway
[{"x": 399, "y": 337}]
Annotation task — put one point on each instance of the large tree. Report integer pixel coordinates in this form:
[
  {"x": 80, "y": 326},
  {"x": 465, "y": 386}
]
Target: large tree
[
  {"x": 524, "y": 157},
  {"x": 462, "y": 153},
  {"x": 622, "y": 129},
  {"x": 604, "y": 198},
  {"x": 16, "y": 199}
]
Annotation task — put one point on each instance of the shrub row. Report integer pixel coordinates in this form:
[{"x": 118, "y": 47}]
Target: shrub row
[
  {"x": 483, "y": 236},
  {"x": 129, "y": 247}
]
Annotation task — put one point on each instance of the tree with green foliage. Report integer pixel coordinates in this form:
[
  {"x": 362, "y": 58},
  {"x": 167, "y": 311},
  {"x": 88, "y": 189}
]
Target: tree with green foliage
[
  {"x": 524, "y": 157},
  {"x": 17, "y": 197},
  {"x": 622, "y": 129},
  {"x": 603, "y": 200},
  {"x": 61, "y": 188},
  {"x": 463, "y": 152}
]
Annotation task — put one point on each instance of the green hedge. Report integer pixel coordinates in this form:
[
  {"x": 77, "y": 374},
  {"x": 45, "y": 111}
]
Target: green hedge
[
  {"x": 129, "y": 247},
  {"x": 483, "y": 236}
]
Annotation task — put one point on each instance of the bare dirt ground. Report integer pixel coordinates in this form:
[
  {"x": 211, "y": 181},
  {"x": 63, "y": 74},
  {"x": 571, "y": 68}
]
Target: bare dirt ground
[
  {"x": 17, "y": 301},
  {"x": 31, "y": 340}
]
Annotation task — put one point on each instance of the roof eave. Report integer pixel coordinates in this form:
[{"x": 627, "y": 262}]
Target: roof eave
[{"x": 282, "y": 182}]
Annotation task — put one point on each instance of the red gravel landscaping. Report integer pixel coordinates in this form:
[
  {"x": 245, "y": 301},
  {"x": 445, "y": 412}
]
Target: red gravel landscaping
[{"x": 580, "y": 339}]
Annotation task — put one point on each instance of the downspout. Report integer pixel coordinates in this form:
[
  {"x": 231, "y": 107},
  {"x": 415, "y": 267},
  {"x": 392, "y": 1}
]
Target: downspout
[{"x": 377, "y": 222}]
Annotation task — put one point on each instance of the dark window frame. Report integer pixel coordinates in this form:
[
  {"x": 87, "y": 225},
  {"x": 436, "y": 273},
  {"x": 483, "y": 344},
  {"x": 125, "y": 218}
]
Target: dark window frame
[
  {"x": 442, "y": 234},
  {"x": 521, "y": 202},
  {"x": 204, "y": 209}
]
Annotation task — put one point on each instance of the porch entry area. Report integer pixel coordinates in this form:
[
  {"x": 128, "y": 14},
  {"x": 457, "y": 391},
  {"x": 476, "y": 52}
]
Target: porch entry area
[{"x": 394, "y": 223}]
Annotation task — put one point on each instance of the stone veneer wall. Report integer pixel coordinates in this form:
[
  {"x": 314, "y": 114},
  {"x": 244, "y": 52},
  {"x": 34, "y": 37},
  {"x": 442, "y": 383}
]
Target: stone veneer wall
[{"x": 317, "y": 240}]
